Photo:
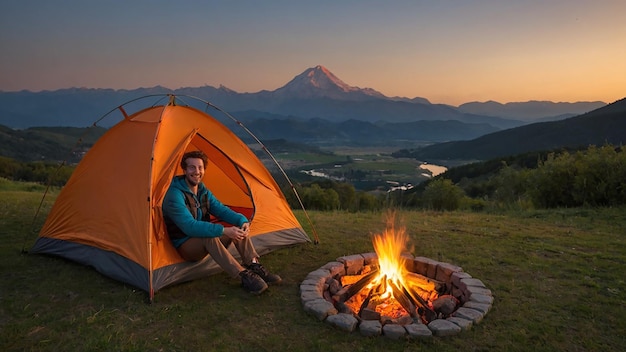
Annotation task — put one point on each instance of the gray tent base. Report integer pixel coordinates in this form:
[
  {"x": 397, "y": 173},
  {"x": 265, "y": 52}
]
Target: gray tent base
[{"x": 129, "y": 272}]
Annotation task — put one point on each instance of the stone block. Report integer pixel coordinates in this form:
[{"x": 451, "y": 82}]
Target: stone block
[
  {"x": 425, "y": 265},
  {"x": 469, "y": 314},
  {"x": 320, "y": 308},
  {"x": 431, "y": 271},
  {"x": 307, "y": 296},
  {"x": 458, "y": 293},
  {"x": 318, "y": 282},
  {"x": 481, "y": 307},
  {"x": 445, "y": 271},
  {"x": 471, "y": 282},
  {"x": 464, "y": 324},
  {"x": 352, "y": 263},
  {"x": 319, "y": 273},
  {"x": 335, "y": 268},
  {"x": 342, "y": 321},
  {"x": 394, "y": 331},
  {"x": 456, "y": 278},
  {"x": 370, "y": 258},
  {"x": 310, "y": 288},
  {"x": 470, "y": 290},
  {"x": 442, "y": 327},
  {"x": 478, "y": 298},
  {"x": 409, "y": 263},
  {"x": 370, "y": 328},
  {"x": 418, "y": 331}
]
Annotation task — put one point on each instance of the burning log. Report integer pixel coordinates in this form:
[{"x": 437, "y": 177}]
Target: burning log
[
  {"x": 403, "y": 299},
  {"x": 423, "y": 309},
  {"x": 353, "y": 289},
  {"x": 367, "y": 311},
  {"x": 424, "y": 283},
  {"x": 359, "y": 285},
  {"x": 408, "y": 295},
  {"x": 351, "y": 279}
]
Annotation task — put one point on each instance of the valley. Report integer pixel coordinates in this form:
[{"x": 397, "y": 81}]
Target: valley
[{"x": 366, "y": 168}]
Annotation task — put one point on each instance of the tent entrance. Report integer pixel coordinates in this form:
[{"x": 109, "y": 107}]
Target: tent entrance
[{"x": 224, "y": 177}]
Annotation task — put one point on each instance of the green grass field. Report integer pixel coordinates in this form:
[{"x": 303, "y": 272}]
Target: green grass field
[{"x": 557, "y": 277}]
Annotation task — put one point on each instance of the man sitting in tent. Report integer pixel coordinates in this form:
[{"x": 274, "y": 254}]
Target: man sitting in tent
[{"x": 186, "y": 209}]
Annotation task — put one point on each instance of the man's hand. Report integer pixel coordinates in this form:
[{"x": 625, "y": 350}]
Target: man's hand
[{"x": 237, "y": 234}]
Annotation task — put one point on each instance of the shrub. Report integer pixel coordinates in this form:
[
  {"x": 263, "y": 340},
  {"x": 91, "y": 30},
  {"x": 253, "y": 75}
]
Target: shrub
[
  {"x": 510, "y": 186},
  {"x": 594, "y": 177},
  {"x": 442, "y": 194}
]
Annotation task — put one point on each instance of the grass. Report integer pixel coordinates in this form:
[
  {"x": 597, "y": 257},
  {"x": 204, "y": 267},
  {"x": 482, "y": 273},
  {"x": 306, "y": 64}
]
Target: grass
[{"x": 557, "y": 277}]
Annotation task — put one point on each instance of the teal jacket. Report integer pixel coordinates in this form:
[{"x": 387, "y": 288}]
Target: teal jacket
[{"x": 175, "y": 211}]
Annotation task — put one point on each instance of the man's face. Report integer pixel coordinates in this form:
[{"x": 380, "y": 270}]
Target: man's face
[{"x": 194, "y": 171}]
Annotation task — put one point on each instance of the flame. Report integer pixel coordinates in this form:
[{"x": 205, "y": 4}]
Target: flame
[
  {"x": 395, "y": 291},
  {"x": 389, "y": 247}
]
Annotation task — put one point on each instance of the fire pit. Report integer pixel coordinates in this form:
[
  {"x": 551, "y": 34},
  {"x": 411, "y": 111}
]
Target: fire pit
[{"x": 391, "y": 293}]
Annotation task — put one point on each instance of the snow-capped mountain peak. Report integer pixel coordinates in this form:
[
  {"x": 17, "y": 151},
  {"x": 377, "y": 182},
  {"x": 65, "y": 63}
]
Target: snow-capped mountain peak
[
  {"x": 318, "y": 82},
  {"x": 320, "y": 77}
]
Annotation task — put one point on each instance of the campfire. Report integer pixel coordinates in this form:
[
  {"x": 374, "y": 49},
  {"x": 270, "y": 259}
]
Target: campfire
[
  {"x": 392, "y": 292},
  {"x": 389, "y": 291}
]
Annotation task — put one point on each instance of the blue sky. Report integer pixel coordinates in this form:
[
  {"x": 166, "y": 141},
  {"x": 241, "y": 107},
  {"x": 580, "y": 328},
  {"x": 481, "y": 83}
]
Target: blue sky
[{"x": 446, "y": 51}]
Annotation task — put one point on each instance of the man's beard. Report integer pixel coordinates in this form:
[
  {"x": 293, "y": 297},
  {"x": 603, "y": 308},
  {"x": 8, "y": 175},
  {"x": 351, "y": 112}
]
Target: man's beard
[{"x": 193, "y": 180}]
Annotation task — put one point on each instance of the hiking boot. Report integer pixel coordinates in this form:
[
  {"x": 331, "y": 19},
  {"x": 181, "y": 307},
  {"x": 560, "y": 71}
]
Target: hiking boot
[
  {"x": 264, "y": 273},
  {"x": 252, "y": 282}
]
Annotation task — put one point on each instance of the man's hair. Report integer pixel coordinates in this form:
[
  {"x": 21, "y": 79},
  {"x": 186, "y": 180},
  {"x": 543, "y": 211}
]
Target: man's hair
[{"x": 196, "y": 154}]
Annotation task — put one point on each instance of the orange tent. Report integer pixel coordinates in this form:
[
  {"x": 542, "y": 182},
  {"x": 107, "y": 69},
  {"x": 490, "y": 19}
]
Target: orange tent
[{"x": 108, "y": 215}]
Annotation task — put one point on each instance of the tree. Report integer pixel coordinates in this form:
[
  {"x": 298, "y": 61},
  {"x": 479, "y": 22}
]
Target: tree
[{"x": 315, "y": 197}]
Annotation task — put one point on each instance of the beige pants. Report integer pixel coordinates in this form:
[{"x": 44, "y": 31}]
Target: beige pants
[{"x": 196, "y": 248}]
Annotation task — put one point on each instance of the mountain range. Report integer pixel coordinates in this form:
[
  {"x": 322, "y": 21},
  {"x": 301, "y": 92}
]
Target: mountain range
[
  {"x": 318, "y": 108},
  {"x": 606, "y": 125},
  {"x": 315, "y": 93}
]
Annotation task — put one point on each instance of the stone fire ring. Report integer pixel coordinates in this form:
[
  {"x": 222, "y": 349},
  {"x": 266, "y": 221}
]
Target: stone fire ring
[{"x": 476, "y": 300}]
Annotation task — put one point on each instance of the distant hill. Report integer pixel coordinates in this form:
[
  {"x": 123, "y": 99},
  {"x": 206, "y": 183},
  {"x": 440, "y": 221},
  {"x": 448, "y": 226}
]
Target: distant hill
[
  {"x": 356, "y": 132},
  {"x": 598, "y": 127},
  {"x": 51, "y": 144},
  {"x": 531, "y": 111},
  {"x": 54, "y": 143}
]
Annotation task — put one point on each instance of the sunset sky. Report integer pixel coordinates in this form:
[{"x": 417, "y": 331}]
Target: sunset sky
[{"x": 448, "y": 52}]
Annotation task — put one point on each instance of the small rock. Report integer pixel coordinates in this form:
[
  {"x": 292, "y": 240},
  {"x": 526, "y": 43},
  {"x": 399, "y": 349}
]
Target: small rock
[{"x": 445, "y": 304}]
